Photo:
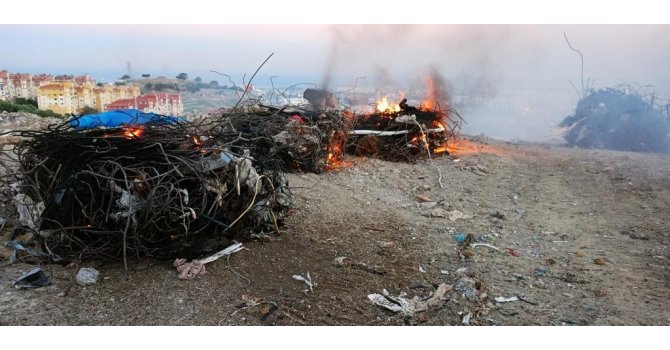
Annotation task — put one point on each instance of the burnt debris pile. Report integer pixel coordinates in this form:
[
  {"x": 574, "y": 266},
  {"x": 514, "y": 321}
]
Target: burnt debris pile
[{"x": 622, "y": 118}]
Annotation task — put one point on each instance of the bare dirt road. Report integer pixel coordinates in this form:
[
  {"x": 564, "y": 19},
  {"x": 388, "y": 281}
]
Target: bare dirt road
[{"x": 580, "y": 237}]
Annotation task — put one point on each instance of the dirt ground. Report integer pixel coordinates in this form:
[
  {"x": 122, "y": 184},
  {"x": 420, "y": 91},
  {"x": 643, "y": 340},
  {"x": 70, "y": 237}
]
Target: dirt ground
[{"x": 582, "y": 239}]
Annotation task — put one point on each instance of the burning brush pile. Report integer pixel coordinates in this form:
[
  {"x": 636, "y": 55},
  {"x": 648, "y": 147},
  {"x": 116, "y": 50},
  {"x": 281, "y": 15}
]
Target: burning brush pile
[
  {"x": 403, "y": 133},
  {"x": 165, "y": 188}
]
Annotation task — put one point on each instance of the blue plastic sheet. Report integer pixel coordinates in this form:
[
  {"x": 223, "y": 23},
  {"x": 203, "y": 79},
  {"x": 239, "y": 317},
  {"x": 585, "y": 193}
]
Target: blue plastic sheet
[{"x": 121, "y": 117}]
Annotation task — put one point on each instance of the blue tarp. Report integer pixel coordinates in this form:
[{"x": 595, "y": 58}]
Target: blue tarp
[{"x": 120, "y": 117}]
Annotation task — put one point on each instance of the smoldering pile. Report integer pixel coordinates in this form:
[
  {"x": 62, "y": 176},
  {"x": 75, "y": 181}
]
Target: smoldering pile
[
  {"x": 622, "y": 118},
  {"x": 165, "y": 188}
]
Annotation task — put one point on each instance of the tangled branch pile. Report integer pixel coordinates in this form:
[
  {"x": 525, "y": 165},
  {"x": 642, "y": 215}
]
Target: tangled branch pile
[
  {"x": 283, "y": 139},
  {"x": 620, "y": 118},
  {"x": 160, "y": 189}
]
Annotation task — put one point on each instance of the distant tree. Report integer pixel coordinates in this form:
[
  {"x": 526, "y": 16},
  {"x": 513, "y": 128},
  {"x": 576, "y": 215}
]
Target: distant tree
[
  {"x": 146, "y": 75},
  {"x": 88, "y": 110},
  {"x": 193, "y": 87},
  {"x": 182, "y": 76},
  {"x": 198, "y": 80},
  {"x": 213, "y": 84},
  {"x": 149, "y": 86},
  {"x": 100, "y": 84},
  {"x": 118, "y": 83},
  {"x": 125, "y": 77}
]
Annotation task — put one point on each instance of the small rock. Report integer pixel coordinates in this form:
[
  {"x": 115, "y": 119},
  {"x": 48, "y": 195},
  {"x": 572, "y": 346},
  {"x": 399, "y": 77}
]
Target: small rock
[
  {"x": 461, "y": 271},
  {"x": 386, "y": 244},
  {"x": 427, "y": 205},
  {"x": 437, "y": 213},
  {"x": 498, "y": 215},
  {"x": 87, "y": 276}
]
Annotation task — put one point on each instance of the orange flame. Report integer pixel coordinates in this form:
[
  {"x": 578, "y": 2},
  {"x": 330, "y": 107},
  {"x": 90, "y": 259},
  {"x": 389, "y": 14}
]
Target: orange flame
[
  {"x": 130, "y": 133},
  {"x": 383, "y": 106}
]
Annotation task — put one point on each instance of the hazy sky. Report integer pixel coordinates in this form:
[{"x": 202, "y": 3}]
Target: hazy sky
[
  {"x": 613, "y": 53},
  {"x": 532, "y": 59}
]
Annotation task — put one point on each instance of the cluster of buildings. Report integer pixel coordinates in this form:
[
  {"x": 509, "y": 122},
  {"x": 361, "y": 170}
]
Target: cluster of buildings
[{"x": 66, "y": 94}]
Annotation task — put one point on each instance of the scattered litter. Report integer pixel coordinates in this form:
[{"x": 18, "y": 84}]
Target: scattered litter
[
  {"x": 512, "y": 252},
  {"x": 307, "y": 280},
  {"x": 18, "y": 246},
  {"x": 421, "y": 269},
  {"x": 423, "y": 198},
  {"x": 541, "y": 272},
  {"x": 459, "y": 237},
  {"x": 34, "y": 278},
  {"x": 444, "y": 272},
  {"x": 474, "y": 245},
  {"x": 506, "y": 300},
  {"x": 467, "y": 288},
  {"x": 87, "y": 276},
  {"x": 407, "y": 307},
  {"x": 188, "y": 270}
]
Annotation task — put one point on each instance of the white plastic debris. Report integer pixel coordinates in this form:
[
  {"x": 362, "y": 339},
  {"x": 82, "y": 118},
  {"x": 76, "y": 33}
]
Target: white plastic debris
[
  {"x": 466, "y": 319},
  {"x": 228, "y": 251},
  {"x": 421, "y": 269},
  {"x": 444, "y": 272},
  {"x": 87, "y": 276},
  {"x": 189, "y": 270},
  {"x": 506, "y": 300},
  {"x": 29, "y": 211},
  {"x": 407, "y": 307},
  {"x": 307, "y": 280}
]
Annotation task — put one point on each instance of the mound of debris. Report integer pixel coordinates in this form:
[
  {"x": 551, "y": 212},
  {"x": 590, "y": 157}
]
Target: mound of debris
[
  {"x": 160, "y": 187},
  {"x": 618, "y": 119}
]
